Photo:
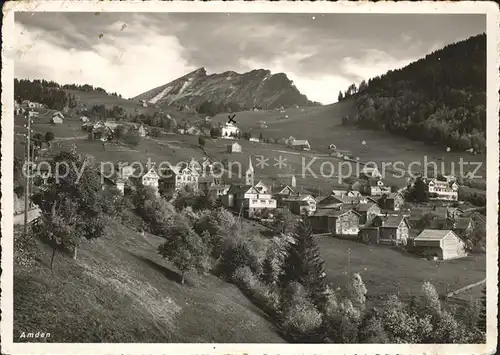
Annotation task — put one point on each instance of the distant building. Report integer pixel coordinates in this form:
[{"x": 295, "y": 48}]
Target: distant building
[
  {"x": 141, "y": 130},
  {"x": 84, "y": 119},
  {"x": 248, "y": 200},
  {"x": 443, "y": 190},
  {"x": 344, "y": 223},
  {"x": 367, "y": 211},
  {"x": 254, "y": 139},
  {"x": 229, "y": 131},
  {"x": 330, "y": 202},
  {"x": 378, "y": 188},
  {"x": 392, "y": 229},
  {"x": 443, "y": 244},
  {"x": 181, "y": 175},
  {"x": 300, "y": 144},
  {"x": 56, "y": 119},
  {"x": 394, "y": 201},
  {"x": 234, "y": 148},
  {"x": 300, "y": 203},
  {"x": 151, "y": 179}
]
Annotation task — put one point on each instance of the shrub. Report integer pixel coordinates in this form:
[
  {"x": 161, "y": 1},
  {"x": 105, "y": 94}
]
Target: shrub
[
  {"x": 237, "y": 255},
  {"x": 201, "y": 141},
  {"x": 132, "y": 138},
  {"x": 301, "y": 320}
]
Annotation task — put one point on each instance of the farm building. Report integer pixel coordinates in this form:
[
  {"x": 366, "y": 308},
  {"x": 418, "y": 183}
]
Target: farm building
[
  {"x": 300, "y": 144},
  {"x": 367, "y": 211},
  {"x": 392, "y": 229},
  {"x": 338, "y": 222},
  {"x": 234, "y": 148},
  {"x": 443, "y": 244},
  {"x": 330, "y": 202},
  {"x": 393, "y": 201},
  {"x": 299, "y": 203}
]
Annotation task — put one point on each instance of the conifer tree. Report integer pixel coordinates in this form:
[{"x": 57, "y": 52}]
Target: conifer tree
[
  {"x": 268, "y": 274},
  {"x": 303, "y": 263}
]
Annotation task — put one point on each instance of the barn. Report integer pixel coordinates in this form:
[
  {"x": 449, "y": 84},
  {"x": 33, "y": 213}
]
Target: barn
[{"x": 443, "y": 244}]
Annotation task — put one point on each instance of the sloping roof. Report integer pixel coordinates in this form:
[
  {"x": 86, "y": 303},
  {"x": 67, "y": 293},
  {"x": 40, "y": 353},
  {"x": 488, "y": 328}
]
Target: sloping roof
[
  {"x": 330, "y": 200},
  {"x": 235, "y": 188},
  {"x": 461, "y": 223},
  {"x": 393, "y": 195},
  {"x": 433, "y": 234},
  {"x": 300, "y": 142},
  {"x": 363, "y": 207},
  {"x": 326, "y": 212},
  {"x": 392, "y": 221},
  {"x": 278, "y": 189}
]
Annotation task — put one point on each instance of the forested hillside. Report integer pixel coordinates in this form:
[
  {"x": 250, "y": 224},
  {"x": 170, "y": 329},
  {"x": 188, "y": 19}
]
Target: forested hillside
[{"x": 439, "y": 99}]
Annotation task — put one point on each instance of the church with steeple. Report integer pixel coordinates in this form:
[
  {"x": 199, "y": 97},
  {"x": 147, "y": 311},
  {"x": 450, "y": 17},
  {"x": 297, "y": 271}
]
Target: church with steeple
[{"x": 249, "y": 199}]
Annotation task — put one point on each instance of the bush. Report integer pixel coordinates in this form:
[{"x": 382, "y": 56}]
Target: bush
[
  {"x": 154, "y": 132},
  {"x": 201, "y": 141},
  {"x": 132, "y": 138},
  {"x": 237, "y": 255},
  {"x": 301, "y": 320}
]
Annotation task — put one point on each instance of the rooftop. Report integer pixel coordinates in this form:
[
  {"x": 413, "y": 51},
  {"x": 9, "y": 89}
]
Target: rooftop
[{"x": 433, "y": 234}]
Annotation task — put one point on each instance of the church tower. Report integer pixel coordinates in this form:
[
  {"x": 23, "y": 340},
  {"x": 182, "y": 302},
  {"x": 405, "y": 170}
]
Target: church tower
[
  {"x": 294, "y": 182},
  {"x": 249, "y": 175}
]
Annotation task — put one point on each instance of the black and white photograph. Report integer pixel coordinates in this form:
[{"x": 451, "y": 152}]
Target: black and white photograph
[{"x": 293, "y": 176}]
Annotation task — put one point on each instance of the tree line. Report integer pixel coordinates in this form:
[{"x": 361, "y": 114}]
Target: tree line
[{"x": 439, "y": 99}]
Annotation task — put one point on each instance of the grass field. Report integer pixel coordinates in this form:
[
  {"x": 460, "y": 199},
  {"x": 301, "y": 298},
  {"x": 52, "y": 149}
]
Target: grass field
[
  {"x": 385, "y": 270},
  {"x": 121, "y": 290}
]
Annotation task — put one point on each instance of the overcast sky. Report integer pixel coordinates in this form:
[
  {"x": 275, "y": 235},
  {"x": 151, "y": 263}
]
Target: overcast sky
[{"x": 323, "y": 53}]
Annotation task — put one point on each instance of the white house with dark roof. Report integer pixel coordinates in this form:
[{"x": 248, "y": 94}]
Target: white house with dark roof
[
  {"x": 300, "y": 144},
  {"x": 443, "y": 190}
]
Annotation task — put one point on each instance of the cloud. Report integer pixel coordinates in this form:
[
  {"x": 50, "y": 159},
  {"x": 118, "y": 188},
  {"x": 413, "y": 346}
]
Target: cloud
[
  {"x": 134, "y": 52},
  {"x": 117, "y": 63}
]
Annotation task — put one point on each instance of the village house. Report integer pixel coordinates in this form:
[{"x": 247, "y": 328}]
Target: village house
[
  {"x": 230, "y": 131},
  {"x": 367, "y": 211},
  {"x": 342, "y": 223},
  {"x": 102, "y": 130},
  {"x": 330, "y": 202},
  {"x": 300, "y": 144},
  {"x": 181, "y": 175},
  {"x": 141, "y": 130},
  {"x": 443, "y": 190},
  {"x": 57, "y": 117},
  {"x": 393, "y": 230},
  {"x": 249, "y": 198},
  {"x": 378, "y": 188},
  {"x": 463, "y": 227},
  {"x": 84, "y": 119},
  {"x": 234, "y": 148},
  {"x": 298, "y": 204},
  {"x": 394, "y": 201},
  {"x": 151, "y": 179},
  {"x": 441, "y": 244}
]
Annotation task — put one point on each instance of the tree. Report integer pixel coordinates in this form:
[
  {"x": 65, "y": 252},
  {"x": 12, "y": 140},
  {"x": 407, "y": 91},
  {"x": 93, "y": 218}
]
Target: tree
[
  {"x": 201, "y": 141},
  {"x": 71, "y": 208},
  {"x": 303, "y": 263},
  {"x": 268, "y": 268},
  {"x": 236, "y": 255},
  {"x": 341, "y": 96},
  {"x": 49, "y": 137},
  {"x": 261, "y": 137},
  {"x": 419, "y": 191},
  {"x": 371, "y": 329},
  {"x": 183, "y": 247},
  {"x": 37, "y": 140},
  {"x": 132, "y": 138},
  {"x": 357, "y": 291}
]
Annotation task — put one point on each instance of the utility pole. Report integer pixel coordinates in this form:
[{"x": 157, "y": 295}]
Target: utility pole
[{"x": 27, "y": 172}]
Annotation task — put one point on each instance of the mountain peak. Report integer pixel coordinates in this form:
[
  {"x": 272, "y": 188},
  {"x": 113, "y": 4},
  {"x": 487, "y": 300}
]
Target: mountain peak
[{"x": 257, "y": 88}]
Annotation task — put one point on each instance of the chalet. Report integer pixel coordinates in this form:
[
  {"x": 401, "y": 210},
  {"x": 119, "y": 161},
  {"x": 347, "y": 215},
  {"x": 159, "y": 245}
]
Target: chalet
[
  {"x": 377, "y": 187},
  {"x": 57, "y": 117},
  {"x": 230, "y": 131},
  {"x": 300, "y": 203},
  {"x": 141, "y": 130},
  {"x": 262, "y": 188},
  {"x": 178, "y": 176},
  {"x": 392, "y": 230},
  {"x": 367, "y": 211},
  {"x": 370, "y": 172},
  {"x": 281, "y": 193},
  {"x": 393, "y": 201},
  {"x": 300, "y": 144},
  {"x": 443, "y": 244},
  {"x": 102, "y": 130},
  {"x": 248, "y": 200},
  {"x": 151, "y": 179},
  {"x": 330, "y": 202},
  {"x": 234, "y": 148},
  {"x": 443, "y": 190}
]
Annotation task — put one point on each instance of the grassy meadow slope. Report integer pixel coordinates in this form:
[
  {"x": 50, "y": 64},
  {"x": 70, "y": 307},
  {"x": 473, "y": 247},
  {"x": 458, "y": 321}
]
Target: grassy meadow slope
[{"x": 120, "y": 290}]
